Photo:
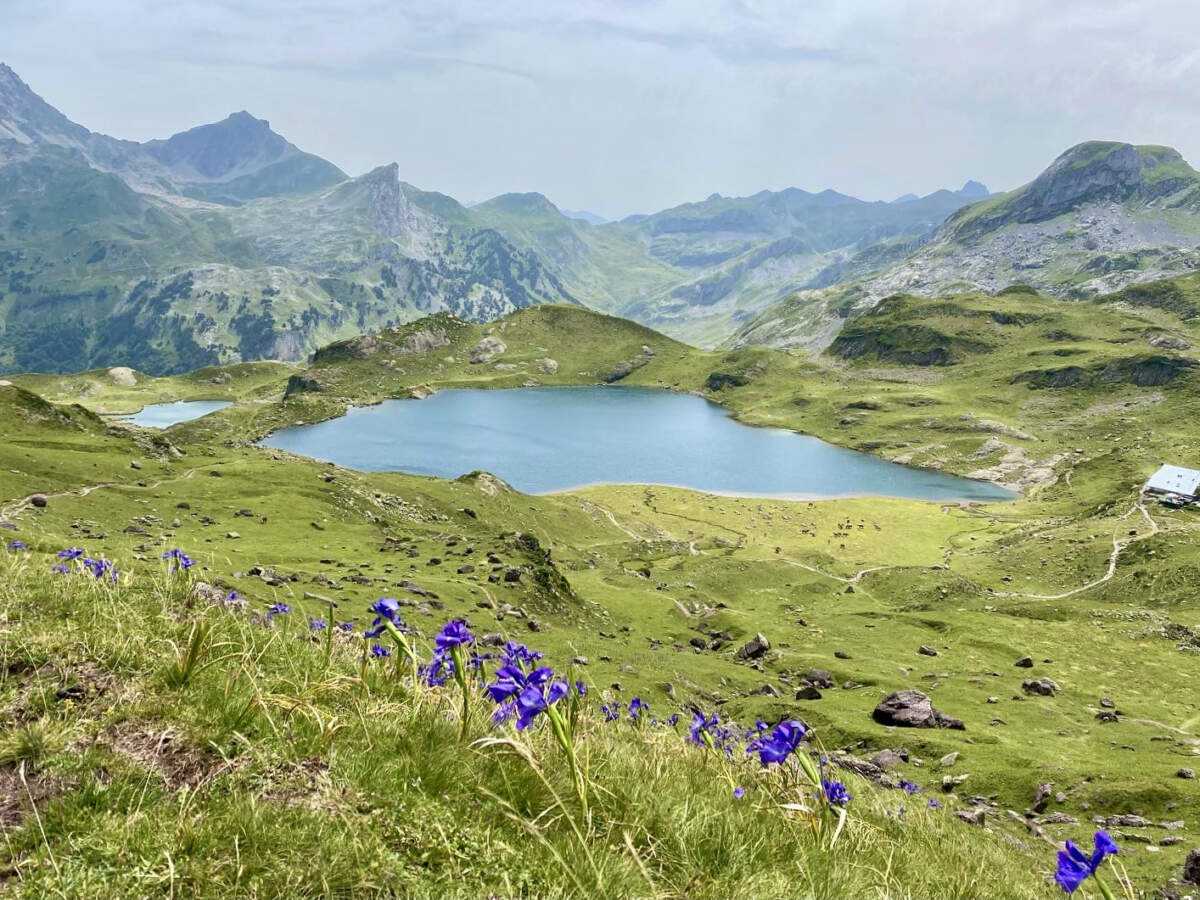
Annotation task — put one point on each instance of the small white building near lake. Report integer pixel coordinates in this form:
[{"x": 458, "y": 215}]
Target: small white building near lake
[{"x": 1174, "y": 483}]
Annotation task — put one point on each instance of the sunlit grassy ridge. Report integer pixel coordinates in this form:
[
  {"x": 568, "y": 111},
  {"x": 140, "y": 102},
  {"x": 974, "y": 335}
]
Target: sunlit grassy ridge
[{"x": 265, "y": 764}]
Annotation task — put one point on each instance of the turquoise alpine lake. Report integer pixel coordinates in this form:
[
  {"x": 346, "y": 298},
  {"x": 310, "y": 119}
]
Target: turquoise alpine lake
[
  {"x": 164, "y": 415},
  {"x": 542, "y": 440}
]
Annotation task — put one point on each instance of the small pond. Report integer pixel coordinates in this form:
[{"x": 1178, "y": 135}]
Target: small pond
[{"x": 164, "y": 415}]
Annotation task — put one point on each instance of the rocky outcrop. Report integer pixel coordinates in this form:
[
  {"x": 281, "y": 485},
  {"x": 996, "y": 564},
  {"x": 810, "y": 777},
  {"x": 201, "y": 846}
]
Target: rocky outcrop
[
  {"x": 912, "y": 709},
  {"x": 718, "y": 381},
  {"x": 486, "y": 350},
  {"x": 301, "y": 384},
  {"x": 1140, "y": 371}
]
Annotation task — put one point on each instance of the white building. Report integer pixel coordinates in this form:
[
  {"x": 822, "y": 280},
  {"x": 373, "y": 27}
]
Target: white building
[{"x": 1174, "y": 483}]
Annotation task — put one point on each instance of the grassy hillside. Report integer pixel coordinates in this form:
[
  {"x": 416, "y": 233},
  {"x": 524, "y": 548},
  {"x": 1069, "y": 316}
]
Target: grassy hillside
[{"x": 657, "y": 589}]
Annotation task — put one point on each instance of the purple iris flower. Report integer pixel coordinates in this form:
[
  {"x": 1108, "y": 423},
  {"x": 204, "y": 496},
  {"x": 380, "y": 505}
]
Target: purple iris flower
[
  {"x": 511, "y": 681},
  {"x": 317, "y": 624},
  {"x": 739, "y": 793},
  {"x": 380, "y": 652},
  {"x": 278, "y": 609},
  {"x": 71, "y": 553},
  {"x": 702, "y": 725},
  {"x": 453, "y": 634},
  {"x": 638, "y": 706},
  {"x": 179, "y": 560},
  {"x": 909, "y": 787},
  {"x": 535, "y": 700},
  {"x": 16, "y": 545},
  {"x": 60, "y": 569},
  {"x": 100, "y": 567},
  {"x": 782, "y": 742},
  {"x": 580, "y": 689},
  {"x": 611, "y": 712},
  {"x": 935, "y": 803},
  {"x": 386, "y": 610},
  {"x": 835, "y": 792},
  {"x": 439, "y": 669},
  {"x": 515, "y": 654},
  {"x": 346, "y": 627},
  {"x": 1075, "y": 866},
  {"x": 672, "y": 720}
]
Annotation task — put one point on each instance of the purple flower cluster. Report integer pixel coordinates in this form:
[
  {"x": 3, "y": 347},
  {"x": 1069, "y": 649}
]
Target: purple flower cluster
[
  {"x": 178, "y": 560},
  {"x": 100, "y": 568},
  {"x": 783, "y": 740},
  {"x": 386, "y": 609},
  {"x": 14, "y": 546}
]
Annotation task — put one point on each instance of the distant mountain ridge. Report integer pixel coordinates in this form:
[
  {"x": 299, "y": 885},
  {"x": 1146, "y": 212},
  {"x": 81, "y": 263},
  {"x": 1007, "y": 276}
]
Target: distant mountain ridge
[
  {"x": 228, "y": 242},
  {"x": 1102, "y": 216}
]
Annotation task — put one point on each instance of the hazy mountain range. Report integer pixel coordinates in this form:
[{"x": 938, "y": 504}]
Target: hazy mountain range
[{"x": 227, "y": 242}]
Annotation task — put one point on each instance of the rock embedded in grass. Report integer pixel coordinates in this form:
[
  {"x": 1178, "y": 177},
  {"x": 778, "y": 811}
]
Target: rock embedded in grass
[
  {"x": 1041, "y": 687},
  {"x": 754, "y": 648},
  {"x": 912, "y": 709}
]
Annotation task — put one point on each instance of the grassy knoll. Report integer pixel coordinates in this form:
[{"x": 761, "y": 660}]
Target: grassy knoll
[
  {"x": 658, "y": 588},
  {"x": 271, "y": 764}
]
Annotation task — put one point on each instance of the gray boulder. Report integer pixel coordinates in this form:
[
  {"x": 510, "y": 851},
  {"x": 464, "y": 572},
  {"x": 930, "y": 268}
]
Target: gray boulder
[
  {"x": 912, "y": 709},
  {"x": 486, "y": 350},
  {"x": 754, "y": 648}
]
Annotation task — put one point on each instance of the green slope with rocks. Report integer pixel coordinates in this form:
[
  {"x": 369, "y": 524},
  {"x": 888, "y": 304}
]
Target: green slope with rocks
[{"x": 1060, "y": 629}]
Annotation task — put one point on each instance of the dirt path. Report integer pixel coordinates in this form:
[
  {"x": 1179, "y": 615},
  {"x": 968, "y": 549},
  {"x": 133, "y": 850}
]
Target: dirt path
[
  {"x": 14, "y": 508},
  {"x": 1119, "y": 546}
]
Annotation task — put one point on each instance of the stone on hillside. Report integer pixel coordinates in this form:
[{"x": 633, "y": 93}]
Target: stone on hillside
[
  {"x": 1125, "y": 820},
  {"x": 808, "y": 692},
  {"x": 948, "y": 760},
  {"x": 841, "y": 654},
  {"x": 912, "y": 709},
  {"x": 819, "y": 678},
  {"x": 547, "y": 366},
  {"x": 755, "y": 647},
  {"x": 486, "y": 350},
  {"x": 971, "y": 816},
  {"x": 1025, "y": 662},
  {"x": 926, "y": 650},
  {"x": 423, "y": 341},
  {"x": 1191, "y": 868},
  {"x": 301, "y": 384},
  {"x": 1041, "y": 796},
  {"x": 719, "y": 381},
  {"x": 1041, "y": 687},
  {"x": 887, "y": 759},
  {"x": 122, "y": 375},
  {"x": 765, "y": 690},
  {"x": 1186, "y": 774},
  {"x": 39, "y": 500}
]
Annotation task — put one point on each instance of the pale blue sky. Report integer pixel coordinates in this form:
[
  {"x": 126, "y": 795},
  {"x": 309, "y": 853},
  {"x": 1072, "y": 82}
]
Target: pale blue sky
[{"x": 633, "y": 105}]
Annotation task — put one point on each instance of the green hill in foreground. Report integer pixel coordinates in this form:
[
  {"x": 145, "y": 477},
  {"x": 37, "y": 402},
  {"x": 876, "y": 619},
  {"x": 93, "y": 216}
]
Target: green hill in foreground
[{"x": 1061, "y": 629}]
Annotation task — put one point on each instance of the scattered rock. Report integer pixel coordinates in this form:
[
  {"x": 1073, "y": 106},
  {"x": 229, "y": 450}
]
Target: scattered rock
[
  {"x": 887, "y": 759},
  {"x": 39, "y": 500},
  {"x": 1041, "y": 687},
  {"x": 1025, "y": 662},
  {"x": 808, "y": 692},
  {"x": 301, "y": 384},
  {"x": 547, "y": 366},
  {"x": 486, "y": 350},
  {"x": 948, "y": 760},
  {"x": 754, "y": 648},
  {"x": 1125, "y": 820},
  {"x": 718, "y": 381},
  {"x": 926, "y": 650},
  {"x": 912, "y": 709},
  {"x": 819, "y": 678},
  {"x": 841, "y": 654},
  {"x": 971, "y": 816},
  {"x": 1186, "y": 774},
  {"x": 1041, "y": 796},
  {"x": 123, "y": 375},
  {"x": 1191, "y": 868}
]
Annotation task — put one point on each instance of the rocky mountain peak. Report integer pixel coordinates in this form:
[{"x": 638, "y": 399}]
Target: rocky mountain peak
[
  {"x": 27, "y": 118},
  {"x": 1103, "y": 170},
  {"x": 214, "y": 151},
  {"x": 974, "y": 189}
]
